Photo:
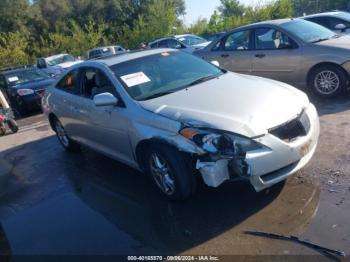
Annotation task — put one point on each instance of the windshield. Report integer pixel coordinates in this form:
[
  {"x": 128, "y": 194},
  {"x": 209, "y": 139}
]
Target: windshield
[
  {"x": 59, "y": 60},
  {"x": 26, "y": 76},
  {"x": 191, "y": 40},
  {"x": 164, "y": 73},
  {"x": 343, "y": 15},
  {"x": 308, "y": 31}
]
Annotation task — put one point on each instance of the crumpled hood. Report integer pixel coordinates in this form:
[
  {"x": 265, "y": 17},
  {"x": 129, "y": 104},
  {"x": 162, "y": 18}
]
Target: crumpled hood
[
  {"x": 69, "y": 64},
  {"x": 341, "y": 42},
  {"x": 242, "y": 104}
]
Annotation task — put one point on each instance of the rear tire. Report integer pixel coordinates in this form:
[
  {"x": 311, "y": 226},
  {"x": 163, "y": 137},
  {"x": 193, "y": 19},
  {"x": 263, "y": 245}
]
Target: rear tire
[
  {"x": 12, "y": 125},
  {"x": 328, "y": 81},
  {"x": 2, "y": 129},
  {"x": 67, "y": 143},
  {"x": 170, "y": 172}
]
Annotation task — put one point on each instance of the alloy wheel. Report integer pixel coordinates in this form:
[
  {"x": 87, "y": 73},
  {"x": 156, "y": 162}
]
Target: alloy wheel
[
  {"x": 61, "y": 134},
  {"x": 161, "y": 173},
  {"x": 327, "y": 82}
]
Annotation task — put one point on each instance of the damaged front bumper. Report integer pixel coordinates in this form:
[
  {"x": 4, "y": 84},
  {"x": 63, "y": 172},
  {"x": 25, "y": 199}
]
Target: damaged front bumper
[{"x": 268, "y": 166}]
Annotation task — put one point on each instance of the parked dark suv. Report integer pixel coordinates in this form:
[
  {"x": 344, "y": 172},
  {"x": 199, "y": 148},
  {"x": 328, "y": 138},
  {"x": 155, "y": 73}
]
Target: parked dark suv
[{"x": 23, "y": 88}]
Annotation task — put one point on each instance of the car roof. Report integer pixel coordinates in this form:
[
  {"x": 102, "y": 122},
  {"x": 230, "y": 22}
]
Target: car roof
[
  {"x": 269, "y": 22},
  {"x": 160, "y": 39},
  {"x": 18, "y": 70},
  {"x": 183, "y": 35},
  {"x": 55, "y": 56},
  {"x": 334, "y": 13},
  {"x": 117, "y": 59},
  {"x": 103, "y": 47}
]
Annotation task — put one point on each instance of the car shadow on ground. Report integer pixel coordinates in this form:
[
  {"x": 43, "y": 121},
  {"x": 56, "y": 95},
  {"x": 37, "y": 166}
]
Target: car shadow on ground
[
  {"x": 327, "y": 106},
  {"x": 130, "y": 201}
]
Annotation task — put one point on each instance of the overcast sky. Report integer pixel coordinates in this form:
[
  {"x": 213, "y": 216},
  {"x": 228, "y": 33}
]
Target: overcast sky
[{"x": 205, "y": 8}]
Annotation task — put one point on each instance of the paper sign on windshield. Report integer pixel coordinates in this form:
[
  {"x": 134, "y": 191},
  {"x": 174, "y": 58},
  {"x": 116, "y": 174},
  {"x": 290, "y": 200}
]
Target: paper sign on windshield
[
  {"x": 135, "y": 79},
  {"x": 13, "y": 79}
]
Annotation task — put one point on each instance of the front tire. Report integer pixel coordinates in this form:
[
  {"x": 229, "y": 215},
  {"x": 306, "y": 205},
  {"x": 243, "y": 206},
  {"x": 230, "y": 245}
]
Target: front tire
[
  {"x": 67, "y": 143},
  {"x": 170, "y": 172},
  {"x": 328, "y": 81}
]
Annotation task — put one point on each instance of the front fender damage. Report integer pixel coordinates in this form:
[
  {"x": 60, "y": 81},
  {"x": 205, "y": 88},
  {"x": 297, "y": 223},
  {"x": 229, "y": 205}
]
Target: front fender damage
[{"x": 217, "y": 169}]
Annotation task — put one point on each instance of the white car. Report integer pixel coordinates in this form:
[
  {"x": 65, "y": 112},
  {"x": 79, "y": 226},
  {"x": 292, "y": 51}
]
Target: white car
[
  {"x": 169, "y": 113},
  {"x": 337, "y": 21},
  {"x": 55, "y": 65},
  {"x": 187, "y": 43}
]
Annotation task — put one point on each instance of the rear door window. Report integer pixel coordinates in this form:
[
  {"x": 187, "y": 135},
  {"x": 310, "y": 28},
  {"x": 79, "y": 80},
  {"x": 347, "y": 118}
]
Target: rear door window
[
  {"x": 270, "y": 39},
  {"x": 70, "y": 83}
]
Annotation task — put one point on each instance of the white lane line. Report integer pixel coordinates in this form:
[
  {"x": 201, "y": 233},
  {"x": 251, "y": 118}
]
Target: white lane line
[{"x": 33, "y": 126}]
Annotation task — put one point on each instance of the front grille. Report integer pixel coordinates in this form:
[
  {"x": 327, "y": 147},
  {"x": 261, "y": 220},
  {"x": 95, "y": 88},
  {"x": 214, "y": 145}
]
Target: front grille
[{"x": 293, "y": 129}]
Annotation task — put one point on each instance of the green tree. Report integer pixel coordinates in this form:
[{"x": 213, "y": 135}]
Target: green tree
[
  {"x": 315, "y": 6},
  {"x": 199, "y": 27},
  {"x": 14, "y": 15},
  {"x": 231, "y": 8},
  {"x": 158, "y": 20},
  {"x": 13, "y": 49},
  {"x": 74, "y": 39}
]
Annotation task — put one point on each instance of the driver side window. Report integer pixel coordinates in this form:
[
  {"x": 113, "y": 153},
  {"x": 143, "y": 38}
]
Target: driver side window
[
  {"x": 172, "y": 43},
  {"x": 237, "y": 41},
  {"x": 94, "y": 82}
]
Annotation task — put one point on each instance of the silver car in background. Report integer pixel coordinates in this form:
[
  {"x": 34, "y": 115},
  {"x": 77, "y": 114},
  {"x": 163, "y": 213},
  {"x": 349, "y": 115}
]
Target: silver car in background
[
  {"x": 187, "y": 43},
  {"x": 171, "y": 114},
  {"x": 294, "y": 51},
  {"x": 337, "y": 21},
  {"x": 104, "y": 51}
]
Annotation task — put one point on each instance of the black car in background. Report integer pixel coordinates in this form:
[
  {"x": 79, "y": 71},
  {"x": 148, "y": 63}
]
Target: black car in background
[{"x": 24, "y": 87}]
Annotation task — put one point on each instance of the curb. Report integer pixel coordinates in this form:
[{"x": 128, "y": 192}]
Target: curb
[{"x": 5, "y": 171}]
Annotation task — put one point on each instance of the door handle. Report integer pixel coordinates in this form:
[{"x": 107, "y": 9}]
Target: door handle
[
  {"x": 225, "y": 55},
  {"x": 260, "y": 55},
  {"x": 108, "y": 111}
]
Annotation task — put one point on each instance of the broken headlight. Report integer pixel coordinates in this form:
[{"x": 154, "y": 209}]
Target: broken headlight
[{"x": 214, "y": 141}]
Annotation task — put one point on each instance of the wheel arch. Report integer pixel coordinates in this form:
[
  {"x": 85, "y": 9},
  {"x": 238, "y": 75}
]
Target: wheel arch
[
  {"x": 143, "y": 145},
  {"x": 317, "y": 66}
]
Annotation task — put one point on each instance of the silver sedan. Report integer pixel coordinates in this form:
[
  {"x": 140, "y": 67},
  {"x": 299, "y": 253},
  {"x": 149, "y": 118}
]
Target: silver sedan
[
  {"x": 176, "y": 116},
  {"x": 294, "y": 51}
]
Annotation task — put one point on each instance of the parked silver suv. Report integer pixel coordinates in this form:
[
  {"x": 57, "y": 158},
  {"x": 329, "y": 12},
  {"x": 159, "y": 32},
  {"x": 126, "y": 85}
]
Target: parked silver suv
[{"x": 172, "y": 114}]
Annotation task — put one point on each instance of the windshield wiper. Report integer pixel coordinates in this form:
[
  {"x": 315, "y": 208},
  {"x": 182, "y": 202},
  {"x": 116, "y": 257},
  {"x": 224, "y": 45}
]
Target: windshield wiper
[
  {"x": 202, "y": 79},
  {"x": 156, "y": 95}
]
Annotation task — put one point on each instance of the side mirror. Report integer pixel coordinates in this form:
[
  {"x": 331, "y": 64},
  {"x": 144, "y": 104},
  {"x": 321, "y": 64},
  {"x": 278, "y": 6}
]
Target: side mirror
[
  {"x": 341, "y": 27},
  {"x": 215, "y": 63},
  {"x": 42, "y": 64},
  {"x": 105, "y": 99}
]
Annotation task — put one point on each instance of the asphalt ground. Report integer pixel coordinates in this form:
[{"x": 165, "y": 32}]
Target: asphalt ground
[{"x": 57, "y": 203}]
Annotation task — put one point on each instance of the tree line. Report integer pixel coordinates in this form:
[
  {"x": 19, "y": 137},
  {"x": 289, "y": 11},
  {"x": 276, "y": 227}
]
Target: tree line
[{"x": 35, "y": 28}]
